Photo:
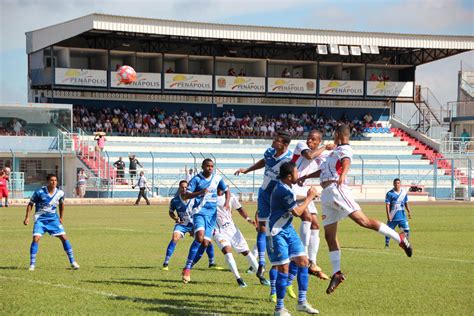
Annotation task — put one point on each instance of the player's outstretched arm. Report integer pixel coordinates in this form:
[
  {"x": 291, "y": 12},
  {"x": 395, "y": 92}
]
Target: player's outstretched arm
[
  {"x": 298, "y": 210},
  {"x": 258, "y": 165},
  {"x": 27, "y": 215},
  {"x": 246, "y": 216},
  {"x": 192, "y": 195},
  {"x": 309, "y": 176},
  {"x": 311, "y": 154}
]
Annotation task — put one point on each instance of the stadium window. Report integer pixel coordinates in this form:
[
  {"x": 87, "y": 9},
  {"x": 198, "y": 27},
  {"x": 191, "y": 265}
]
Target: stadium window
[
  {"x": 334, "y": 49},
  {"x": 374, "y": 49},
  {"x": 343, "y": 50},
  {"x": 322, "y": 50},
  {"x": 365, "y": 49}
]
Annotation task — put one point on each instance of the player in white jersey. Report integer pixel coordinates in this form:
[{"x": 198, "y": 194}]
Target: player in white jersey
[
  {"x": 47, "y": 199},
  {"x": 308, "y": 157},
  {"x": 338, "y": 203},
  {"x": 273, "y": 158},
  {"x": 228, "y": 236}
]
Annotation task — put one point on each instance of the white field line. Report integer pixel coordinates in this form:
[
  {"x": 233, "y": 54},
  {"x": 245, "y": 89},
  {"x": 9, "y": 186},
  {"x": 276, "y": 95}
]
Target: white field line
[{"x": 415, "y": 256}]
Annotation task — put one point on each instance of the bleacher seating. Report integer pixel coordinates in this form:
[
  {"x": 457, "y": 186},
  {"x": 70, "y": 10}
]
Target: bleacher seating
[{"x": 377, "y": 161}]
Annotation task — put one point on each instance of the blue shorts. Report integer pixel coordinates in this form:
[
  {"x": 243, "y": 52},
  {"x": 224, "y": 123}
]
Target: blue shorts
[
  {"x": 263, "y": 210},
  {"x": 403, "y": 224},
  {"x": 284, "y": 246},
  {"x": 206, "y": 223},
  {"x": 183, "y": 229},
  {"x": 51, "y": 226}
]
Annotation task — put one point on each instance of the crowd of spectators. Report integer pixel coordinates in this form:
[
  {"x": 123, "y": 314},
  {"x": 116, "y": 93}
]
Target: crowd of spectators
[{"x": 120, "y": 121}]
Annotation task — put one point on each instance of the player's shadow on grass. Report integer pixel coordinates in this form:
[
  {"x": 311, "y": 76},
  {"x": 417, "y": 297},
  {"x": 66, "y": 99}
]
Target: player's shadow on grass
[
  {"x": 125, "y": 267},
  {"x": 171, "y": 281},
  {"x": 182, "y": 307},
  {"x": 217, "y": 296},
  {"x": 135, "y": 283},
  {"x": 12, "y": 268}
]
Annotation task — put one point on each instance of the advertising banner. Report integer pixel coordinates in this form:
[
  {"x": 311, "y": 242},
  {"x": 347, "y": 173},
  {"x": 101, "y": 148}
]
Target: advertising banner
[
  {"x": 80, "y": 77},
  {"x": 240, "y": 84},
  {"x": 145, "y": 80},
  {"x": 188, "y": 82},
  {"x": 291, "y": 85},
  {"x": 390, "y": 89},
  {"x": 340, "y": 87}
]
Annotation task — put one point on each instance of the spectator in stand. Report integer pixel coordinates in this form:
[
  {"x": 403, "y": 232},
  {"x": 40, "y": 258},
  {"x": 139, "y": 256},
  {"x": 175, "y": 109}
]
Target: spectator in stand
[
  {"x": 174, "y": 130},
  {"x": 231, "y": 72},
  {"x": 169, "y": 70},
  {"x": 373, "y": 77},
  {"x": 81, "y": 184},
  {"x": 108, "y": 127},
  {"x": 100, "y": 138},
  {"x": 162, "y": 127},
  {"x": 285, "y": 73},
  {"x": 465, "y": 137},
  {"x": 369, "y": 122},
  {"x": 242, "y": 72},
  {"x": 132, "y": 166},
  {"x": 16, "y": 127},
  {"x": 120, "y": 165},
  {"x": 189, "y": 174}
]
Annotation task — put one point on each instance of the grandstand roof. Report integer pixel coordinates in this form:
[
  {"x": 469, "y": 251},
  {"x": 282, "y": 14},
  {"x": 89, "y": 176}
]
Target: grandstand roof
[{"x": 104, "y": 23}]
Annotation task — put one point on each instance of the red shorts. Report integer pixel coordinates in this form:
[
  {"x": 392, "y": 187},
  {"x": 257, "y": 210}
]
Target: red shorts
[{"x": 3, "y": 192}]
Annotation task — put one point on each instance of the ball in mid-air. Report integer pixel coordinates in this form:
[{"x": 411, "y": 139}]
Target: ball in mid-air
[{"x": 126, "y": 75}]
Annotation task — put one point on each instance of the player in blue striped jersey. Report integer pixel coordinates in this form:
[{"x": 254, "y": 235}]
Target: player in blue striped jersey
[
  {"x": 180, "y": 212},
  {"x": 396, "y": 201},
  {"x": 283, "y": 243},
  {"x": 47, "y": 199},
  {"x": 273, "y": 158},
  {"x": 203, "y": 190}
]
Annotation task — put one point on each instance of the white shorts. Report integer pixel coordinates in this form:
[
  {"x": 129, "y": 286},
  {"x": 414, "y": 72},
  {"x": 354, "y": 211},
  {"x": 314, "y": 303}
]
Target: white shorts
[
  {"x": 337, "y": 203},
  {"x": 303, "y": 191},
  {"x": 231, "y": 236}
]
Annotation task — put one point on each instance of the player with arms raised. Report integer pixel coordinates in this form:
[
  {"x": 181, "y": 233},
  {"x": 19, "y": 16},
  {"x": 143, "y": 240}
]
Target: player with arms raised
[
  {"x": 47, "y": 199},
  {"x": 273, "y": 158},
  {"x": 338, "y": 203}
]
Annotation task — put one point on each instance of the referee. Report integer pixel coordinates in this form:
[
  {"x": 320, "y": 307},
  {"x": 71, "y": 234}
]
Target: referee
[{"x": 142, "y": 185}]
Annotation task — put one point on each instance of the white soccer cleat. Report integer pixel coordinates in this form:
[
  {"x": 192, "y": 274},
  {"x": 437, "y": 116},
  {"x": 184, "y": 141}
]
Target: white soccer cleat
[
  {"x": 75, "y": 265},
  {"x": 307, "y": 308},
  {"x": 281, "y": 312},
  {"x": 31, "y": 268}
]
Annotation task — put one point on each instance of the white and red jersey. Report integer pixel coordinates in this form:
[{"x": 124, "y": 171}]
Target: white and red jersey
[
  {"x": 331, "y": 169},
  {"x": 306, "y": 166},
  {"x": 224, "y": 217}
]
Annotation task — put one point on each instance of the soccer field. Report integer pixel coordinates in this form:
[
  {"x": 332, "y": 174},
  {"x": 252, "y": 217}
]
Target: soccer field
[{"x": 121, "y": 249}]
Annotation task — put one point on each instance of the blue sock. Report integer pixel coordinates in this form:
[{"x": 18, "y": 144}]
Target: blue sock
[
  {"x": 293, "y": 271},
  {"x": 199, "y": 254},
  {"x": 169, "y": 251},
  {"x": 407, "y": 233},
  {"x": 281, "y": 283},
  {"x": 192, "y": 253},
  {"x": 210, "y": 253},
  {"x": 261, "y": 246},
  {"x": 33, "y": 251},
  {"x": 387, "y": 241},
  {"x": 68, "y": 248},
  {"x": 273, "y": 277},
  {"x": 302, "y": 284}
]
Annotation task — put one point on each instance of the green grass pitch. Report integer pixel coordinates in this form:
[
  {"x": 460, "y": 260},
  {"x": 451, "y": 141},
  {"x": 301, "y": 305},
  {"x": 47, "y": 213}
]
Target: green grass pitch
[{"x": 121, "y": 249}]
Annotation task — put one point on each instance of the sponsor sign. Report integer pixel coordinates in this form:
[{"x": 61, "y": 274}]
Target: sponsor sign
[
  {"x": 188, "y": 82},
  {"x": 390, "y": 88},
  {"x": 340, "y": 87},
  {"x": 240, "y": 84},
  {"x": 145, "y": 80},
  {"x": 80, "y": 77},
  {"x": 292, "y": 85}
]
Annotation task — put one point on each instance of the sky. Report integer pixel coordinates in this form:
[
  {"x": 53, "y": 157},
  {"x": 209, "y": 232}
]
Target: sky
[{"x": 447, "y": 17}]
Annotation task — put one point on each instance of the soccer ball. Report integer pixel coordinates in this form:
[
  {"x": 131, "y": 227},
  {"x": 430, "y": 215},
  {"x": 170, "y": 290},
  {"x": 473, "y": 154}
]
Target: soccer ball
[{"x": 126, "y": 75}]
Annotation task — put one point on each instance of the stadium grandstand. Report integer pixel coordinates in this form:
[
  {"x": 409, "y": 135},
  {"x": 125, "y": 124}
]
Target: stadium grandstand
[{"x": 221, "y": 91}]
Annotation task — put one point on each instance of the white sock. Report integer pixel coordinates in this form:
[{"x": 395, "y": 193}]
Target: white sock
[
  {"x": 252, "y": 261},
  {"x": 229, "y": 258},
  {"x": 305, "y": 234},
  {"x": 313, "y": 245},
  {"x": 335, "y": 257},
  {"x": 388, "y": 232},
  {"x": 255, "y": 251}
]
